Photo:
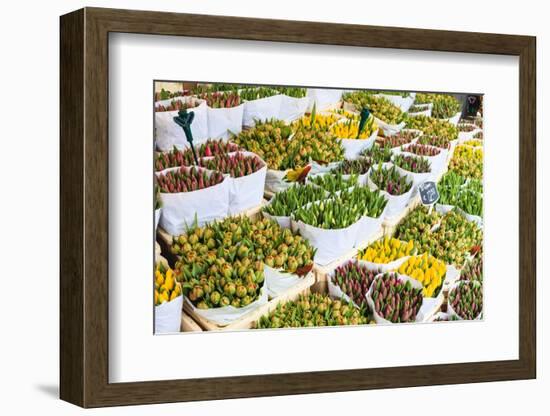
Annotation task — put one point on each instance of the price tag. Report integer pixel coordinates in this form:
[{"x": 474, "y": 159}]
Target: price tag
[
  {"x": 428, "y": 192},
  {"x": 472, "y": 105},
  {"x": 365, "y": 114},
  {"x": 184, "y": 120}
]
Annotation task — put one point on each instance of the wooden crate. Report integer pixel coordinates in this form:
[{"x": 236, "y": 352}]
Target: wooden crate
[
  {"x": 164, "y": 240},
  {"x": 247, "y": 321},
  {"x": 268, "y": 195},
  {"x": 188, "y": 324},
  {"x": 158, "y": 252}
]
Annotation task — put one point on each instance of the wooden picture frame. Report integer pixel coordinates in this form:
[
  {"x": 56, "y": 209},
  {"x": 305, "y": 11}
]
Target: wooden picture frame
[{"x": 84, "y": 207}]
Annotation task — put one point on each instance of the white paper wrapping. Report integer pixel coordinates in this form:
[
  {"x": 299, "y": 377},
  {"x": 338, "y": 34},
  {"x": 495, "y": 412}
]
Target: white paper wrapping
[
  {"x": 157, "y": 218},
  {"x": 354, "y": 147},
  {"x": 454, "y": 119},
  {"x": 404, "y": 103},
  {"x": 292, "y": 108},
  {"x": 426, "y": 110},
  {"x": 439, "y": 317},
  {"x": 324, "y": 98},
  {"x": 168, "y": 316},
  {"x": 262, "y": 109},
  {"x": 179, "y": 210},
  {"x": 168, "y": 134},
  {"x": 474, "y": 218},
  {"x": 443, "y": 208},
  {"x": 453, "y": 274},
  {"x": 330, "y": 244},
  {"x": 224, "y": 121},
  {"x": 247, "y": 191},
  {"x": 317, "y": 168},
  {"x": 278, "y": 281},
  {"x": 369, "y": 227},
  {"x": 390, "y": 129},
  {"x": 275, "y": 181},
  {"x": 226, "y": 315},
  {"x": 464, "y": 136}
]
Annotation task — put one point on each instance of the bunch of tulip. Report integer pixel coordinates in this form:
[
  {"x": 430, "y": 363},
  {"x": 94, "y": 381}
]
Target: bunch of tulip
[
  {"x": 390, "y": 180},
  {"x": 313, "y": 310},
  {"x": 236, "y": 165},
  {"x": 473, "y": 269},
  {"x": 468, "y": 162},
  {"x": 218, "y": 99},
  {"x": 398, "y": 139},
  {"x": 166, "y": 286},
  {"x": 334, "y": 181},
  {"x": 394, "y": 299},
  {"x": 286, "y": 202},
  {"x": 414, "y": 164},
  {"x": 358, "y": 166},
  {"x": 427, "y": 270},
  {"x": 184, "y": 157},
  {"x": 466, "y": 299},
  {"x": 387, "y": 250},
  {"x": 354, "y": 279},
  {"x": 432, "y": 126},
  {"x": 380, "y": 107},
  {"x": 187, "y": 180},
  {"x": 421, "y": 149},
  {"x": 378, "y": 154}
]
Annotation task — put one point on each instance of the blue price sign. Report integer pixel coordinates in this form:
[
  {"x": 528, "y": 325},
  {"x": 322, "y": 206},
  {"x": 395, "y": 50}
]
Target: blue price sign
[{"x": 428, "y": 192}]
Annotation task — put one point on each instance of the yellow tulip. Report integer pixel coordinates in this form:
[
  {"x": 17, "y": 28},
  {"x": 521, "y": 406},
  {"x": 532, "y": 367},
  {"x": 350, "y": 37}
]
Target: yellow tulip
[
  {"x": 169, "y": 283},
  {"x": 386, "y": 250},
  {"x": 163, "y": 297},
  {"x": 159, "y": 279},
  {"x": 426, "y": 269}
]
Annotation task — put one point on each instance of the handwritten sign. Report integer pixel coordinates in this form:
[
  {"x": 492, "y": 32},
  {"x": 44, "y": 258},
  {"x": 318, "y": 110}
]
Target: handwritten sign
[{"x": 428, "y": 192}]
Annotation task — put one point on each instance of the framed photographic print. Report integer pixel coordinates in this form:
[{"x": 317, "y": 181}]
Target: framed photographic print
[{"x": 335, "y": 207}]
